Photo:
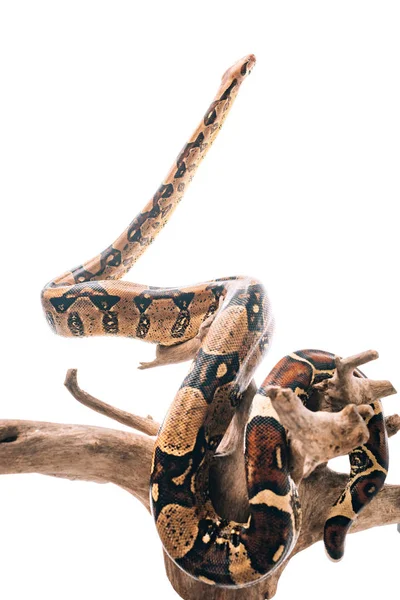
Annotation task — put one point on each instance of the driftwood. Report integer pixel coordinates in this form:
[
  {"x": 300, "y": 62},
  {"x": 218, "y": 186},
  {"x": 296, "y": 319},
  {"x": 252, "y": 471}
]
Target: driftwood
[{"x": 124, "y": 458}]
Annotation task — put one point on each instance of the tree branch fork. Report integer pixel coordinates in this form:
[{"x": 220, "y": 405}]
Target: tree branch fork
[{"x": 103, "y": 455}]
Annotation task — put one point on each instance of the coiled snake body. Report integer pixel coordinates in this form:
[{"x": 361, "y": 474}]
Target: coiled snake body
[{"x": 90, "y": 300}]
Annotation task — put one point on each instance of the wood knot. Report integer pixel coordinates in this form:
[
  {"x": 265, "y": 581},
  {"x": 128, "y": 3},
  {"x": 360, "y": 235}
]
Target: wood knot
[{"x": 8, "y": 435}]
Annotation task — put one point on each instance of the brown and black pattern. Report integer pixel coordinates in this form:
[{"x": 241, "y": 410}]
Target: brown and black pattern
[
  {"x": 183, "y": 319},
  {"x": 211, "y": 114},
  {"x": 252, "y": 300},
  {"x": 173, "y": 475},
  {"x": 369, "y": 463},
  {"x": 291, "y": 373},
  {"x": 223, "y": 552},
  {"x": 211, "y": 371},
  {"x": 89, "y": 300},
  {"x": 75, "y": 324},
  {"x": 369, "y": 466},
  {"x": 135, "y": 233},
  {"x": 262, "y": 549},
  {"x": 184, "y": 155},
  {"x": 110, "y": 323},
  {"x": 335, "y": 531},
  {"x": 142, "y": 303},
  {"x": 95, "y": 292},
  {"x": 207, "y": 559},
  {"x": 267, "y": 452},
  {"x": 113, "y": 262}
]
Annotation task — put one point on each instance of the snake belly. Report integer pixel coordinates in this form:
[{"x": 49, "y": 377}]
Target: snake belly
[{"x": 91, "y": 300}]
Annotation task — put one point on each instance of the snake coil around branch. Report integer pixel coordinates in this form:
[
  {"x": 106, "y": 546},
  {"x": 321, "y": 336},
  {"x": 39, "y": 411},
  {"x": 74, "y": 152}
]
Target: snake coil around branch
[{"x": 229, "y": 520}]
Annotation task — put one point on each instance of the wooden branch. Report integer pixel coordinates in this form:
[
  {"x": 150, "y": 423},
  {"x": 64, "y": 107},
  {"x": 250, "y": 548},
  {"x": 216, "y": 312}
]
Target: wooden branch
[
  {"x": 181, "y": 352},
  {"x": 316, "y": 437},
  {"x": 392, "y": 424},
  {"x": 144, "y": 424},
  {"x": 78, "y": 452},
  {"x": 346, "y": 388},
  {"x": 317, "y": 494},
  {"x": 124, "y": 458}
]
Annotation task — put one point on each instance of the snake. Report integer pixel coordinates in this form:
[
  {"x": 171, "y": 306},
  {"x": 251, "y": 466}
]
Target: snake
[{"x": 91, "y": 299}]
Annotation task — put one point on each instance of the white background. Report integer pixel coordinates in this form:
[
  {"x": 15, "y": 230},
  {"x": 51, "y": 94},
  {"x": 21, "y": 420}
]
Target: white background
[{"x": 301, "y": 190}]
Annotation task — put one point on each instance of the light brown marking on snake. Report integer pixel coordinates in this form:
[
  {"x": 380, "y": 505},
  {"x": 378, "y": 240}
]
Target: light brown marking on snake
[
  {"x": 345, "y": 508},
  {"x": 269, "y": 498},
  {"x": 344, "y": 505},
  {"x": 278, "y": 553},
  {"x": 206, "y": 580},
  {"x": 177, "y": 526},
  {"x": 240, "y": 567},
  {"x": 155, "y": 492},
  {"x": 278, "y": 456},
  {"x": 181, "y": 478},
  {"x": 222, "y": 369},
  {"x": 190, "y": 401},
  {"x": 234, "y": 321}
]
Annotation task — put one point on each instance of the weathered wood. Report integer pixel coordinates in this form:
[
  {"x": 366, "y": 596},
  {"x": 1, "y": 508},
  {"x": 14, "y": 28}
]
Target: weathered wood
[
  {"x": 143, "y": 424},
  {"x": 124, "y": 458}
]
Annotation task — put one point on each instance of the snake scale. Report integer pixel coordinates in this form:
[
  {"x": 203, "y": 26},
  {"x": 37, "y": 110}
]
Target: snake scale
[{"x": 90, "y": 300}]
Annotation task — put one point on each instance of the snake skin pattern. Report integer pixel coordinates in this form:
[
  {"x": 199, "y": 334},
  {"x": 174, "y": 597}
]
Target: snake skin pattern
[{"x": 90, "y": 300}]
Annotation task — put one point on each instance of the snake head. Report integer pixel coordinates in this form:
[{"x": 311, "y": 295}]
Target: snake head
[{"x": 239, "y": 70}]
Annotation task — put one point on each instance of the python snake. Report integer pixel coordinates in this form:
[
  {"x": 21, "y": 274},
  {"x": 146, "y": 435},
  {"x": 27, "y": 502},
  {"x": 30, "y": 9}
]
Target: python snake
[{"x": 90, "y": 300}]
